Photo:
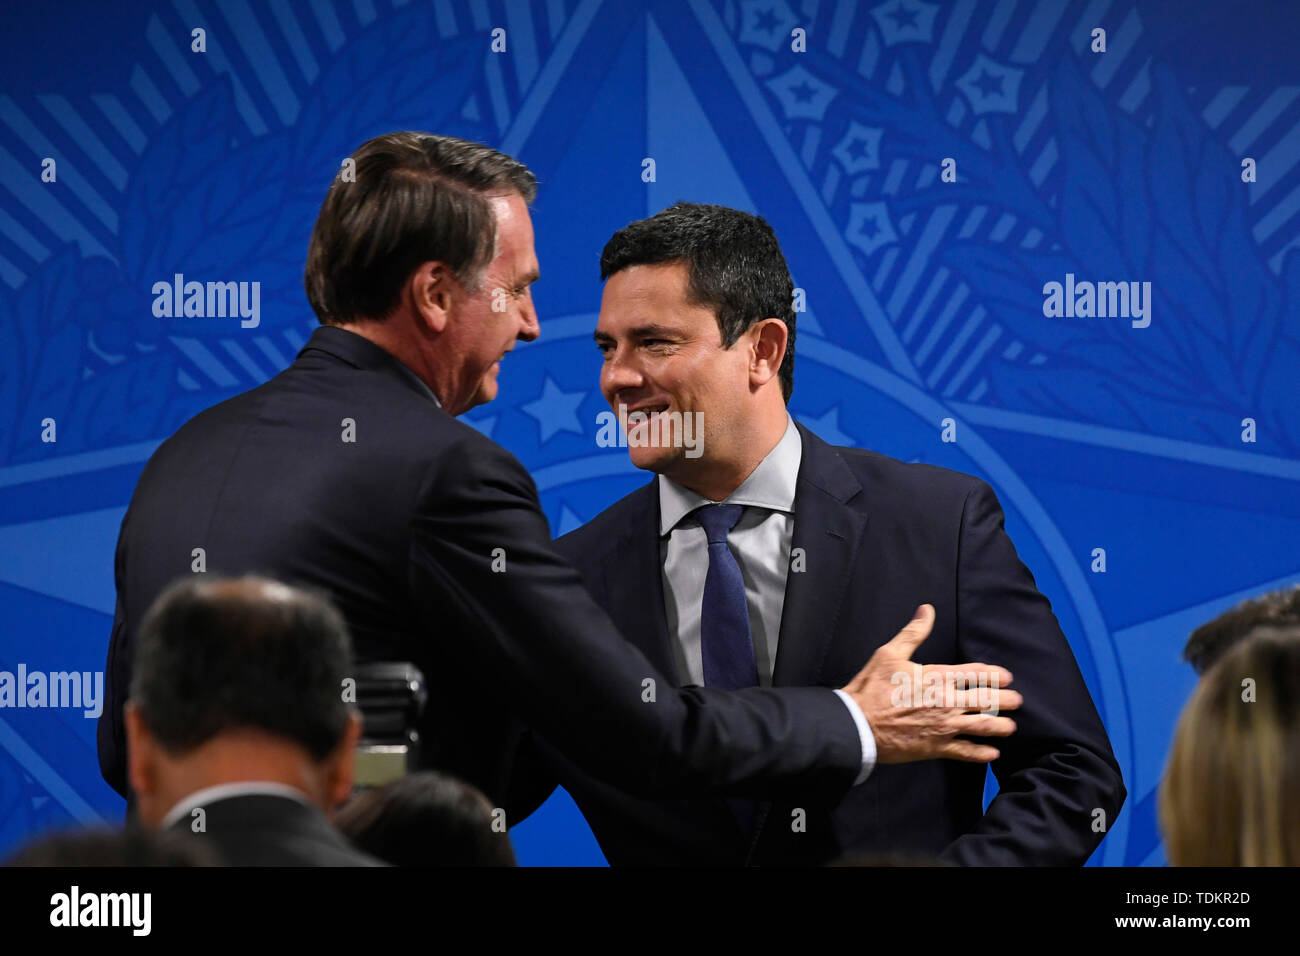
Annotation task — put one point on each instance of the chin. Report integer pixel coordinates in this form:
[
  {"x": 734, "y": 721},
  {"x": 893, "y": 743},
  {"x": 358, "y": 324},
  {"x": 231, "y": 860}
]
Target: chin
[
  {"x": 487, "y": 391},
  {"x": 658, "y": 460}
]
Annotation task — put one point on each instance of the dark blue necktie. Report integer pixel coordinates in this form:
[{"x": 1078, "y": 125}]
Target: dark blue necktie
[{"x": 725, "y": 642}]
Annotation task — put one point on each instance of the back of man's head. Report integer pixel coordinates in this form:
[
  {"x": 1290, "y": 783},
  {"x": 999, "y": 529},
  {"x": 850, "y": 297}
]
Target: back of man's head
[
  {"x": 1210, "y": 641},
  {"x": 247, "y": 662},
  {"x": 407, "y": 198}
]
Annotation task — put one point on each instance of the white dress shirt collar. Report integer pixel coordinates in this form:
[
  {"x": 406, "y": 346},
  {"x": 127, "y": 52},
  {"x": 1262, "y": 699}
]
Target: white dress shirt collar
[
  {"x": 771, "y": 485},
  {"x": 225, "y": 791}
]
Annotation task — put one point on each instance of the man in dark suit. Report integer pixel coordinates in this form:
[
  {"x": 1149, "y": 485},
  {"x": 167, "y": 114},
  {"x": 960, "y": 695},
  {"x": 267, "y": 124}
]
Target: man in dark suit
[
  {"x": 237, "y": 729},
  {"x": 350, "y": 472},
  {"x": 771, "y": 548}
]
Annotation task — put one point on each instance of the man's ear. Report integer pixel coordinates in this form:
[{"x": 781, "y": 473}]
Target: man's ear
[
  {"x": 339, "y": 764},
  {"x": 767, "y": 350},
  {"x": 430, "y": 290},
  {"x": 141, "y": 771}
]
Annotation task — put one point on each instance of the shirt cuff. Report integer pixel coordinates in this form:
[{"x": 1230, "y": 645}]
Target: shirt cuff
[{"x": 865, "y": 735}]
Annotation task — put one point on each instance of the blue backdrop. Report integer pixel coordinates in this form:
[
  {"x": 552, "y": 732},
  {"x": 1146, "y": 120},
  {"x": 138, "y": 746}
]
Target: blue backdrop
[{"x": 924, "y": 297}]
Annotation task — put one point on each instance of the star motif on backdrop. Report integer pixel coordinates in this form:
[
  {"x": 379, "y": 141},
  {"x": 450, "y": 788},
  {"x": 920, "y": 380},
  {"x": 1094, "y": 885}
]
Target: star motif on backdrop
[
  {"x": 859, "y": 149},
  {"x": 802, "y": 95},
  {"x": 568, "y": 520},
  {"x": 766, "y": 23},
  {"x": 987, "y": 83},
  {"x": 990, "y": 86},
  {"x": 556, "y": 410},
  {"x": 869, "y": 226},
  {"x": 902, "y": 16},
  {"x": 483, "y": 426},
  {"x": 827, "y": 427},
  {"x": 905, "y": 21}
]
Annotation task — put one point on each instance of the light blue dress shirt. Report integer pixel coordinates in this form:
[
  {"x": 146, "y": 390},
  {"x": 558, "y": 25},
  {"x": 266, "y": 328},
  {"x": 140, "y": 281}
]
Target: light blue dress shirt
[{"x": 761, "y": 542}]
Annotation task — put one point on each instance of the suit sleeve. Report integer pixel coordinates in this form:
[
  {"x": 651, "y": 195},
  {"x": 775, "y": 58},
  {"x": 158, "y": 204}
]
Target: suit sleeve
[
  {"x": 1057, "y": 769},
  {"x": 110, "y": 732},
  {"x": 533, "y": 778},
  {"x": 518, "y": 619}
]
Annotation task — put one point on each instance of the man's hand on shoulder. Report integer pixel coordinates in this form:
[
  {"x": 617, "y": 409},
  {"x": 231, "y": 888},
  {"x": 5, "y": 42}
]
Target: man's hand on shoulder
[{"x": 917, "y": 712}]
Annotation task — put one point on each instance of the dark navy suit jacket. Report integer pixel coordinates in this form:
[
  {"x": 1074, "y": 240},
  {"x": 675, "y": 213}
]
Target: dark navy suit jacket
[
  {"x": 430, "y": 539},
  {"x": 879, "y": 537},
  {"x": 259, "y": 829}
]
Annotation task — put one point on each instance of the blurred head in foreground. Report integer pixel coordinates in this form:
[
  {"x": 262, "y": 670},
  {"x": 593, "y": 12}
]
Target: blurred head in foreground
[
  {"x": 1231, "y": 792},
  {"x": 130, "y": 847},
  {"x": 239, "y": 680},
  {"x": 426, "y": 819},
  {"x": 1209, "y": 641}
]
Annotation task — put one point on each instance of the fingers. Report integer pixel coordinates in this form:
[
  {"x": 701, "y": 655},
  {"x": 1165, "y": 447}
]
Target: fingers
[
  {"x": 978, "y": 674},
  {"x": 985, "y": 725},
  {"x": 983, "y": 698},
  {"x": 968, "y": 751},
  {"x": 906, "y": 641}
]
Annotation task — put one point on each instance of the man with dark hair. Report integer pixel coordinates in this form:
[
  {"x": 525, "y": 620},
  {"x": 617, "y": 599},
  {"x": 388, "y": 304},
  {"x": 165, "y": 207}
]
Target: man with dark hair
[
  {"x": 770, "y": 558},
  {"x": 349, "y": 471},
  {"x": 1211, "y": 640},
  {"x": 237, "y": 730},
  {"x": 734, "y": 267}
]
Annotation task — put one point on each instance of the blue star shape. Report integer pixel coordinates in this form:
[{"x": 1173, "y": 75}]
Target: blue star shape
[
  {"x": 900, "y": 14},
  {"x": 556, "y": 410},
  {"x": 861, "y": 147},
  {"x": 827, "y": 428},
  {"x": 988, "y": 83},
  {"x": 869, "y": 227},
  {"x": 765, "y": 20},
  {"x": 483, "y": 426},
  {"x": 568, "y": 520},
  {"x": 804, "y": 92}
]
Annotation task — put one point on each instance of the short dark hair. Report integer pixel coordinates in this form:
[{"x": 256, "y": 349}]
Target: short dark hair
[
  {"x": 734, "y": 262},
  {"x": 416, "y": 198},
  {"x": 216, "y": 654},
  {"x": 1211, "y": 640},
  {"x": 426, "y": 819}
]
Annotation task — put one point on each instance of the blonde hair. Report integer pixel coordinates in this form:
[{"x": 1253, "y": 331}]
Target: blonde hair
[{"x": 1231, "y": 790}]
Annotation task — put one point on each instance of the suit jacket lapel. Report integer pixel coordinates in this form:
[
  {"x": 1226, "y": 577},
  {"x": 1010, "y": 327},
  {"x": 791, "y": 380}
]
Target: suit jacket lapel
[
  {"x": 829, "y": 534},
  {"x": 634, "y": 581}
]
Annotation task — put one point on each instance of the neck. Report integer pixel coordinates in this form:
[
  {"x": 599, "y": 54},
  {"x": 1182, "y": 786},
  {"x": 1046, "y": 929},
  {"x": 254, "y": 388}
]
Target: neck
[
  {"x": 396, "y": 336},
  {"x": 719, "y": 476}
]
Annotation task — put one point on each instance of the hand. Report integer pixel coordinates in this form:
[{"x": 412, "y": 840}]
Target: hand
[{"x": 890, "y": 690}]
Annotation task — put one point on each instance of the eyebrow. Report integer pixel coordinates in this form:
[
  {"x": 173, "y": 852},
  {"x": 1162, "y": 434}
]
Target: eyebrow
[{"x": 641, "y": 332}]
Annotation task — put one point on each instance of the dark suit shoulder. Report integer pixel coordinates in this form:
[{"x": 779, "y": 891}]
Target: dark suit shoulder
[
  {"x": 601, "y": 534},
  {"x": 308, "y": 407},
  {"x": 269, "y": 830},
  {"x": 911, "y": 480}
]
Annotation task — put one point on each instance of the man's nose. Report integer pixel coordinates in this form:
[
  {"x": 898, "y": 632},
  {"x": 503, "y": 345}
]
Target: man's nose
[
  {"x": 619, "y": 372},
  {"x": 530, "y": 327}
]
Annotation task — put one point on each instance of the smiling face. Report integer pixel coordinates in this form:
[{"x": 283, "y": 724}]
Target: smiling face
[
  {"x": 663, "y": 353},
  {"x": 487, "y": 321}
]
